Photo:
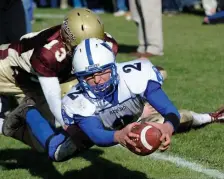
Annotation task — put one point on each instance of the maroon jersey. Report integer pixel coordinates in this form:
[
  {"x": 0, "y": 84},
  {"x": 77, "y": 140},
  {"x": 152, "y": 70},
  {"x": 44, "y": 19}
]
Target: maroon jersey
[
  {"x": 41, "y": 53},
  {"x": 51, "y": 60}
]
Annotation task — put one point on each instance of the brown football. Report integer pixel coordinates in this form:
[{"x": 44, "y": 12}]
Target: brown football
[{"x": 149, "y": 139}]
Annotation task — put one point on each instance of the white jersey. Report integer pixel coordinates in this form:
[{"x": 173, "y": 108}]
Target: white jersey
[{"x": 127, "y": 105}]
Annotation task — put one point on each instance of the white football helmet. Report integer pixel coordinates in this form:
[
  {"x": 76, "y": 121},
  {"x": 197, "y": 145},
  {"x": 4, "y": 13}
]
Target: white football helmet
[{"x": 91, "y": 56}]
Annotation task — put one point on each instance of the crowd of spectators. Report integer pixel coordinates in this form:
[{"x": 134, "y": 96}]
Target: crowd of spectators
[
  {"x": 145, "y": 13},
  {"x": 121, "y": 7}
]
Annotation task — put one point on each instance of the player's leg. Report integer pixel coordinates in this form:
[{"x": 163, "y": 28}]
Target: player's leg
[
  {"x": 186, "y": 119},
  {"x": 7, "y": 81},
  {"x": 3, "y": 109},
  {"x": 205, "y": 118},
  {"x": 162, "y": 71},
  {"x": 189, "y": 119},
  {"x": 218, "y": 115},
  {"x": 26, "y": 124},
  {"x": 150, "y": 115},
  {"x": 59, "y": 144},
  {"x": 193, "y": 119}
]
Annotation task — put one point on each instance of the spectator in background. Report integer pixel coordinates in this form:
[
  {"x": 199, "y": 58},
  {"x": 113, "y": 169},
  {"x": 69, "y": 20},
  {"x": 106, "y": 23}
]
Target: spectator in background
[
  {"x": 173, "y": 7},
  {"x": 96, "y": 6},
  {"x": 54, "y": 3},
  {"x": 63, "y": 4},
  {"x": 170, "y": 7},
  {"x": 120, "y": 8},
  {"x": 148, "y": 16},
  {"x": 12, "y": 21},
  {"x": 189, "y": 4},
  {"x": 210, "y": 7},
  {"x": 28, "y": 8},
  {"x": 43, "y": 3},
  {"x": 12, "y": 27},
  {"x": 79, "y": 3}
]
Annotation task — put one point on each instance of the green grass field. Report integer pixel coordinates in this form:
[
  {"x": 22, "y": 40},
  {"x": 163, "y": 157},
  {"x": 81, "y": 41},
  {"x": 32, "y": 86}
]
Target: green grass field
[{"x": 194, "y": 61}]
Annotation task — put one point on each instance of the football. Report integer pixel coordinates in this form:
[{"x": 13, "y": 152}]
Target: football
[{"x": 149, "y": 139}]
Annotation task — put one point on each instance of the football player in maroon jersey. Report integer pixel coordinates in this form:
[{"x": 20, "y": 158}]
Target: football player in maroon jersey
[{"x": 45, "y": 56}]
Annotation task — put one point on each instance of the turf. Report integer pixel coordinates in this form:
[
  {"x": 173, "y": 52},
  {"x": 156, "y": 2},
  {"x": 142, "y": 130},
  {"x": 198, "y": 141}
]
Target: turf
[{"x": 193, "y": 58}]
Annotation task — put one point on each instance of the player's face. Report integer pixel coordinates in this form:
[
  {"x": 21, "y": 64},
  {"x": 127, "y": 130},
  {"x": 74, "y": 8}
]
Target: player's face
[{"x": 98, "y": 78}]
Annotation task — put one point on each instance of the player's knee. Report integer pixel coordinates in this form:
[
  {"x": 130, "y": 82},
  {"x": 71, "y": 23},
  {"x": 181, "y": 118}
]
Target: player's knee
[
  {"x": 158, "y": 118},
  {"x": 162, "y": 71},
  {"x": 186, "y": 116},
  {"x": 186, "y": 120}
]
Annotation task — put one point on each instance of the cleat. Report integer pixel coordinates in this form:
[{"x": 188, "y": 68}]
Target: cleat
[
  {"x": 16, "y": 119},
  {"x": 218, "y": 115},
  {"x": 26, "y": 104}
]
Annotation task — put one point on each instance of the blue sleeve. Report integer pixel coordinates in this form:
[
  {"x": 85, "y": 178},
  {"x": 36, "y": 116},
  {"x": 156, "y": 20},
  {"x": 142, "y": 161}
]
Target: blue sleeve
[
  {"x": 93, "y": 127},
  {"x": 159, "y": 100}
]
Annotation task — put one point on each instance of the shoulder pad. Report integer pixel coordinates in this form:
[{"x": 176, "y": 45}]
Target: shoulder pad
[
  {"x": 137, "y": 73},
  {"x": 75, "y": 103}
]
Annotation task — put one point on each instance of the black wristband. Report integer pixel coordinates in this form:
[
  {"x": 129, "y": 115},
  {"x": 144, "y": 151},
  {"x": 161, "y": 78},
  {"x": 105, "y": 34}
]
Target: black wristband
[{"x": 173, "y": 119}]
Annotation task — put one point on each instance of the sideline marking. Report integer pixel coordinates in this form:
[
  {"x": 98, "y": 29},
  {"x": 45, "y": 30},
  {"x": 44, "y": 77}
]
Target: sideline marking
[{"x": 213, "y": 173}]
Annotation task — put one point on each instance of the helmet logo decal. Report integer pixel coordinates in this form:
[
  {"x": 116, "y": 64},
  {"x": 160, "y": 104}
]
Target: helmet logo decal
[
  {"x": 67, "y": 29},
  {"x": 92, "y": 67}
]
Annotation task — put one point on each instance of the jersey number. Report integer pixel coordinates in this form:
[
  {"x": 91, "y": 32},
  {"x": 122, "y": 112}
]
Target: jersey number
[
  {"x": 59, "y": 54},
  {"x": 73, "y": 95},
  {"x": 128, "y": 68}
]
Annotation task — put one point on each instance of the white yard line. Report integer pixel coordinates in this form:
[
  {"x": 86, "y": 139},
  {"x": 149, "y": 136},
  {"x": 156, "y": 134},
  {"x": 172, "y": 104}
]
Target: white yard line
[
  {"x": 186, "y": 164},
  {"x": 49, "y": 16},
  {"x": 180, "y": 162}
]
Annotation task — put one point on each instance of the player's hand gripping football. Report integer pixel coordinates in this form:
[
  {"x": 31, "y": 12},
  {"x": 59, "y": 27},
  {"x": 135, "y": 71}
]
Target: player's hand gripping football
[
  {"x": 126, "y": 137},
  {"x": 167, "y": 131}
]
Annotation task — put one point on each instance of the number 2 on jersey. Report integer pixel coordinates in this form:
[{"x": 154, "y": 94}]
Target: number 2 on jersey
[
  {"x": 128, "y": 68},
  {"x": 59, "y": 54}
]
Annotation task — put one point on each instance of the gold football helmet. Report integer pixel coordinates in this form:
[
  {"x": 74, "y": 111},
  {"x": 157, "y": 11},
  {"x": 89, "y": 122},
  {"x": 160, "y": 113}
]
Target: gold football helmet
[
  {"x": 80, "y": 24},
  {"x": 65, "y": 87}
]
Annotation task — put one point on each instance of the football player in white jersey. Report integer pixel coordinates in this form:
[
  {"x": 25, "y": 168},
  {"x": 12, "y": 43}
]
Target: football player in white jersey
[
  {"x": 110, "y": 97},
  {"x": 105, "y": 112}
]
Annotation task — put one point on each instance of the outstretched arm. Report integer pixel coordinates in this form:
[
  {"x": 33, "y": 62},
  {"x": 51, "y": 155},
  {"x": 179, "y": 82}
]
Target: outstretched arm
[
  {"x": 93, "y": 127},
  {"x": 159, "y": 100},
  {"x": 52, "y": 92}
]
